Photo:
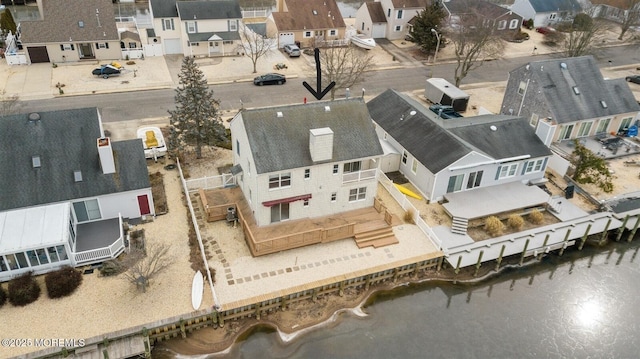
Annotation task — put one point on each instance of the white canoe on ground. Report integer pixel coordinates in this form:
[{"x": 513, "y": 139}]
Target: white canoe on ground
[
  {"x": 363, "y": 42},
  {"x": 197, "y": 289}
]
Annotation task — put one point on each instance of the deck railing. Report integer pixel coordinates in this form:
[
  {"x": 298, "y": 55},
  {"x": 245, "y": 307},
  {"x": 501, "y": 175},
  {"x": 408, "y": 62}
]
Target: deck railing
[
  {"x": 359, "y": 176},
  {"x": 104, "y": 253},
  {"x": 212, "y": 182}
]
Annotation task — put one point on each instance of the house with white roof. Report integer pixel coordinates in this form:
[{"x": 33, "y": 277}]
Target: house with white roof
[{"x": 68, "y": 191}]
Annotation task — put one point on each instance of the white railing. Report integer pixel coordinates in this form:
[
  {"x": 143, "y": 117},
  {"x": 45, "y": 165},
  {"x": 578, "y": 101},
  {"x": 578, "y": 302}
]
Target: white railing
[
  {"x": 225, "y": 180},
  {"x": 255, "y": 13},
  {"x": 408, "y": 206},
  {"x": 96, "y": 255},
  {"x": 136, "y": 53},
  {"x": 359, "y": 176}
]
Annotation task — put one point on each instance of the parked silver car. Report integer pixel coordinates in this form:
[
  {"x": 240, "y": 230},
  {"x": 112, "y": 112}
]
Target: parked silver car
[{"x": 292, "y": 49}]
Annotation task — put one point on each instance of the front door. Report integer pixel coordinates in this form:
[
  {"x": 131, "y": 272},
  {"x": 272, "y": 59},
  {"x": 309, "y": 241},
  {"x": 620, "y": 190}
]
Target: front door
[
  {"x": 143, "y": 203},
  {"x": 86, "y": 51}
]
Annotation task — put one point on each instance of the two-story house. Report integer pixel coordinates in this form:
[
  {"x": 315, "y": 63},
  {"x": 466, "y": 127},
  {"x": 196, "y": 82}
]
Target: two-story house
[
  {"x": 440, "y": 156},
  {"x": 505, "y": 22},
  {"x": 67, "y": 192},
  {"x": 71, "y": 30},
  {"x": 306, "y": 161},
  {"x": 197, "y": 28},
  {"x": 547, "y": 12},
  {"x": 569, "y": 98},
  {"x": 397, "y": 14},
  {"x": 307, "y": 22}
]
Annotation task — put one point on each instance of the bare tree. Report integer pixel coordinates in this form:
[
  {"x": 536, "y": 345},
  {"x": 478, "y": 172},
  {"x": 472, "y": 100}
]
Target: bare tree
[
  {"x": 140, "y": 265},
  {"x": 631, "y": 16},
  {"x": 344, "y": 65},
  {"x": 255, "y": 45},
  {"x": 581, "y": 40},
  {"x": 474, "y": 42},
  {"x": 9, "y": 104}
]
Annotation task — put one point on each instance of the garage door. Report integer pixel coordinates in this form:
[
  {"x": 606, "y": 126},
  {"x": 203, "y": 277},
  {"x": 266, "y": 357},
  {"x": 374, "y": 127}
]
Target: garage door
[
  {"x": 378, "y": 31},
  {"x": 285, "y": 38},
  {"x": 38, "y": 54},
  {"x": 172, "y": 46}
]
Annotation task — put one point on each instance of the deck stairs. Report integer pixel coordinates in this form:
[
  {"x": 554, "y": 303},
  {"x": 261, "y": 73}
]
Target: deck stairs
[
  {"x": 459, "y": 225},
  {"x": 374, "y": 234}
]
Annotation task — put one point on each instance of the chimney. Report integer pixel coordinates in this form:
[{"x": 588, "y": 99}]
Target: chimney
[
  {"x": 105, "y": 152},
  {"x": 280, "y": 5},
  {"x": 321, "y": 144}
]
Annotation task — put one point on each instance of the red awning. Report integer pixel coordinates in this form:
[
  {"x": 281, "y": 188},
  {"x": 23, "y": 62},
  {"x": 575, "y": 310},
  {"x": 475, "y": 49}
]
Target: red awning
[{"x": 286, "y": 200}]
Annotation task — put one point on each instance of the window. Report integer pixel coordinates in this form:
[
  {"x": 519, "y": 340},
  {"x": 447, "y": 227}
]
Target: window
[
  {"x": 624, "y": 125},
  {"x": 11, "y": 262},
  {"x": 335, "y": 169},
  {"x": 233, "y": 25},
  {"x": 305, "y": 203},
  {"x": 238, "y": 147},
  {"x": 603, "y": 125},
  {"x": 22, "y": 260},
  {"x": 389, "y": 12},
  {"x": 399, "y": 16},
  {"x": 33, "y": 258},
  {"x": 414, "y": 166},
  {"x": 53, "y": 255},
  {"x": 133, "y": 45},
  {"x": 502, "y": 24},
  {"x": 534, "y": 120},
  {"x": 87, "y": 210},
  {"x": 552, "y": 16},
  {"x": 533, "y": 166},
  {"x": 307, "y": 173},
  {"x": 226, "y": 42},
  {"x": 513, "y": 24},
  {"x": 102, "y": 45},
  {"x": 3, "y": 265},
  {"x": 193, "y": 43},
  {"x": 280, "y": 212},
  {"x": 334, "y": 196},
  {"x": 404, "y": 157},
  {"x": 280, "y": 180},
  {"x": 351, "y": 167},
  {"x": 307, "y": 34},
  {"x": 357, "y": 194},
  {"x": 455, "y": 183},
  {"x": 565, "y": 132},
  {"x": 584, "y": 129},
  {"x": 167, "y": 24},
  {"x": 522, "y": 88},
  {"x": 507, "y": 170},
  {"x": 66, "y": 47},
  {"x": 474, "y": 179},
  {"x": 333, "y": 32},
  {"x": 62, "y": 253},
  {"x": 191, "y": 27},
  {"x": 397, "y": 28}
]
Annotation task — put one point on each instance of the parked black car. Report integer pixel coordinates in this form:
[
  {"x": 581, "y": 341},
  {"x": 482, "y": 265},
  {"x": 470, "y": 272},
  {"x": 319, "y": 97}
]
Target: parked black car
[
  {"x": 270, "y": 79},
  {"x": 635, "y": 79},
  {"x": 106, "y": 71},
  {"x": 444, "y": 111}
]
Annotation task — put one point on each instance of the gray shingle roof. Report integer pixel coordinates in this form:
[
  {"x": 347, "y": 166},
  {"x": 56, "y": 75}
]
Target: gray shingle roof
[
  {"x": 163, "y": 8},
  {"x": 583, "y": 72},
  {"x": 61, "y": 19},
  {"x": 513, "y": 136},
  {"x": 66, "y": 142},
  {"x": 555, "y": 5},
  {"x": 281, "y": 143},
  {"x": 432, "y": 145},
  {"x": 439, "y": 143},
  {"x": 210, "y": 9}
]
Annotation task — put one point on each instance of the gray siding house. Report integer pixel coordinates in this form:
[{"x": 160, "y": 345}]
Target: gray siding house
[
  {"x": 442, "y": 156},
  {"x": 547, "y": 12},
  {"x": 306, "y": 161},
  {"x": 569, "y": 98},
  {"x": 67, "y": 192}
]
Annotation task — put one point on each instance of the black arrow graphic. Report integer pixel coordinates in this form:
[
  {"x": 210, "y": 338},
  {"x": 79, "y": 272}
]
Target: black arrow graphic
[{"x": 319, "y": 93}]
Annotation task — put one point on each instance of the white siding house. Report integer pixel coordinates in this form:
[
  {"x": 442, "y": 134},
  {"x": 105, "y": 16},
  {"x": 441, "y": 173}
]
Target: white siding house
[
  {"x": 305, "y": 161},
  {"x": 546, "y": 12}
]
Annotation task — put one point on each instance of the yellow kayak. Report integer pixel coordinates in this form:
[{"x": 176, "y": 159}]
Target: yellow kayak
[{"x": 407, "y": 191}]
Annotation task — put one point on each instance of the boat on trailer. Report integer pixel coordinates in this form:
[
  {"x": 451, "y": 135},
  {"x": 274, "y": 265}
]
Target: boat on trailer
[
  {"x": 360, "y": 40},
  {"x": 153, "y": 141}
]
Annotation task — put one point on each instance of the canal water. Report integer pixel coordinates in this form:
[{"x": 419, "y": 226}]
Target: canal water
[{"x": 584, "y": 304}]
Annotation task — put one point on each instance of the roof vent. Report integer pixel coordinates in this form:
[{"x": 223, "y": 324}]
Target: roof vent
[
  {"x": 563, "y": 65},
  {"x": 527, "y": 67},
  {"x": 34, "y": 117},
  {"x": 279, "y": 114},
  {"x": 77, "y": 176},
  {"x": 35, "y": 161},
  {"x": 541, "y": 68},
  {"x": 493, "y": 128},
  {"x": 576, "y": 90},
  {"x": 314, "y": 12},
  {"x": 413, "y": 112},
  {"x": 327, "y": 109},
  {"x": 603, "y": 104}
]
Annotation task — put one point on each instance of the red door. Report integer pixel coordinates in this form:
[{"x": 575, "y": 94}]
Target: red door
[{"x": 143, "y": 203}]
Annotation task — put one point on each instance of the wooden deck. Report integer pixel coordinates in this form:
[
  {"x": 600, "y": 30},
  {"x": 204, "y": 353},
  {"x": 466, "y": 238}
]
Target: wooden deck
[{"x": 368, "y": 226}]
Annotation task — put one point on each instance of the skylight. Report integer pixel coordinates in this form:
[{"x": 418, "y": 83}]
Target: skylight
[
  {"x": 603, "y": 104},
  {"x": 35, "y": 161},
  {"x": 77, "y": 175},
  {"x": 576, "y": 90}
]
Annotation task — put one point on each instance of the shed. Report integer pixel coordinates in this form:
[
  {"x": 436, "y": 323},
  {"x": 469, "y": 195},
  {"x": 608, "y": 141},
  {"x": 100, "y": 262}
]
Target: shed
[{"x": 441, "y": 91}]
